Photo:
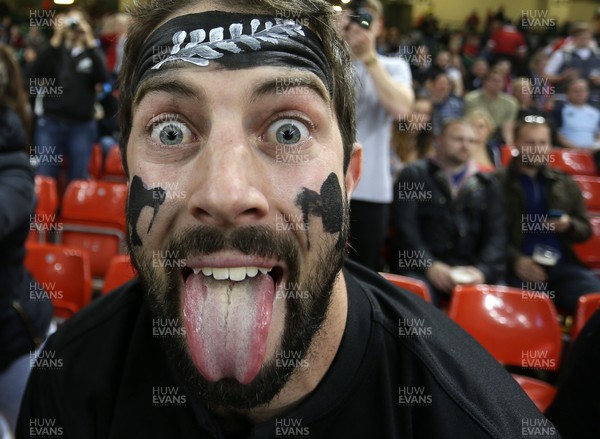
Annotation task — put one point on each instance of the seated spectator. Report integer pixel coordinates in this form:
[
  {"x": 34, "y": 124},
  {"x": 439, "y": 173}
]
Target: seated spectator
[
  {"x": 504, "y": 66},
  {"x": 446, "y": 106},
  {"x": 581, "y": 59},
  {"x": 577, "y": 122},
  {"x": 501, "y": 106},
  {"x": 507, "y": 42},
  {"x": 526, "y": 91},
  {"x": 544, "y": 97},
  {"x": 486, "y": 153},
  {"x": 476, "y": 74},
  {"x": 412, "y": 136},
  {"x": 443, "y": 62},
  {"x": 449, "y": 229},
  {"x": 546, "y": 215}
]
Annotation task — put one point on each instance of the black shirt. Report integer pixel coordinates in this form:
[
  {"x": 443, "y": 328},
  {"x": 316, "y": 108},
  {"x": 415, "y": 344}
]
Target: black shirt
[{"x": 403, "y": 370}]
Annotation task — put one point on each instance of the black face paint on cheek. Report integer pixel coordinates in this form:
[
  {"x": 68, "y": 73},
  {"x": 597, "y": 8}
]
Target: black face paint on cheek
[
  {"x": 328, "y": 205},
  {"x": 140, "y": 197}
]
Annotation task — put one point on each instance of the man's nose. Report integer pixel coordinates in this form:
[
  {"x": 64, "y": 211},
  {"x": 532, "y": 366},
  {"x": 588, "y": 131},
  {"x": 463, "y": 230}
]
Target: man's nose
[{"x": 227, "y": 181}]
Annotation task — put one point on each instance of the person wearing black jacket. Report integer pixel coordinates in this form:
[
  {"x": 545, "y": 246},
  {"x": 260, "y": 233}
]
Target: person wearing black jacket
[
  {"x": 24, "y": 318},
  {"x": 64, "y": 76},
  {"x": 245, "y": 319},
  {"x": 449, "y": 224}
]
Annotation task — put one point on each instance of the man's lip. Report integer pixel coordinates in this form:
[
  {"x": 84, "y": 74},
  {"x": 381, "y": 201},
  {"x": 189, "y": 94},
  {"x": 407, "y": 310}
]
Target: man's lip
[{"x": 232, "y": 260}]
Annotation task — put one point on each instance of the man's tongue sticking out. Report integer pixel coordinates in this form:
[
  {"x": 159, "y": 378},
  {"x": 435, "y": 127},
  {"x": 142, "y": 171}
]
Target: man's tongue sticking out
[{"x": 227, "y": 322}]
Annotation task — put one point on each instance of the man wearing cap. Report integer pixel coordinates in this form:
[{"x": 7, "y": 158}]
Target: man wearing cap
[{"x": 245, "y": 321}]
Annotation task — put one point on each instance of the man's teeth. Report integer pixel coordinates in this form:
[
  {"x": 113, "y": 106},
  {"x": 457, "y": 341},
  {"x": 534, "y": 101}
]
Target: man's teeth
[{"x": 235, "y": 273}]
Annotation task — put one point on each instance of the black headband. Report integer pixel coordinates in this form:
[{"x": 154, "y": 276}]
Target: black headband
[{"x": 235, "y": 41}]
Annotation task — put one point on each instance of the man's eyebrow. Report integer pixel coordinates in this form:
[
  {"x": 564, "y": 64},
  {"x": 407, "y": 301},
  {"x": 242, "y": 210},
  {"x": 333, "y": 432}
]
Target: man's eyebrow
[
  {"x": 283, "y": 85},
  {"x": 167, "y": 84}
]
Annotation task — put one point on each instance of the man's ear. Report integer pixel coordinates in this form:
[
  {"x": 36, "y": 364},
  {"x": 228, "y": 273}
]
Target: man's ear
[{"x": 354, "y": 170}]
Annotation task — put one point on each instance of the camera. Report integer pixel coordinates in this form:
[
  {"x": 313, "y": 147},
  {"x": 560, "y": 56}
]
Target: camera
[
  {"x": 360, "y": 14},
  {"x": 72, "y": 23}
]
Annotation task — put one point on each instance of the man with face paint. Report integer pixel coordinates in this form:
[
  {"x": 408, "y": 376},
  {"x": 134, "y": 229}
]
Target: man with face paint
[{"x": 245, "y": 321}]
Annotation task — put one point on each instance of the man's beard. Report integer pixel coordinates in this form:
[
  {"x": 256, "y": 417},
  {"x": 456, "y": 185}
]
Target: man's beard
[{"x": 303, "y": 320}]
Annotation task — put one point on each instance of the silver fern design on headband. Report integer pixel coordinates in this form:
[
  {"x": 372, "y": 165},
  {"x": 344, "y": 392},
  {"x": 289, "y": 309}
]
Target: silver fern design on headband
[{"x": 199, "y": 52}]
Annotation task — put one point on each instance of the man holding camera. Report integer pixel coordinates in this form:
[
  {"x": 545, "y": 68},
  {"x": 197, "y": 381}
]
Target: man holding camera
[
  {"x": 384, "y": 94},
  {"x": 64, "y": 77}
]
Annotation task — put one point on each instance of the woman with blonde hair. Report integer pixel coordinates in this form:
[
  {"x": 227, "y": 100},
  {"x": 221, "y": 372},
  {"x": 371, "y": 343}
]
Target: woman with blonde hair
[{"x": 486, "y": 154}]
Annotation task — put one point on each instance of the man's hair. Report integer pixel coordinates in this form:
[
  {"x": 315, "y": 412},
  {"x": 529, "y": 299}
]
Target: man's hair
[
  {"x": 146, "y": 15},
  {"x": 576, "y": 81},
  {"x": 451, "y": 122},
  {"x": 522, "y": 124}
]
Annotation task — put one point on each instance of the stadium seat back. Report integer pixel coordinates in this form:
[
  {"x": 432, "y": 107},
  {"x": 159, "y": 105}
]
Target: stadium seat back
[
  {"x": 517, "y": 330},
  {"x": 63, "y": 273},
  {"x": 572, "y": 161},
  {"x": 590, "y": 189},
  {"x": 113, "y": 168},
  {"x": 93, "y": 219},
  {"x": 589, "y": 251},
  {"x": 44, "y": 220},
  {"x": 586, "y": 307},
  {"x": 415, "y": 286},
  {"x": 119, "y": 271}
]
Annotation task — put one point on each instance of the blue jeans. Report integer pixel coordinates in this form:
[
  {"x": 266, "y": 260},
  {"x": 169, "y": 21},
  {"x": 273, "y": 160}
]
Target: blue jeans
[
  {"x": 55, "y": 141},
  {"x": 568, "y": 280}
]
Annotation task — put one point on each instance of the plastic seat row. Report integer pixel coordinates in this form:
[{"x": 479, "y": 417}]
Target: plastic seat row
[
  {"x": 64, "y": 274},
  {"x": 516, "y": 330}
]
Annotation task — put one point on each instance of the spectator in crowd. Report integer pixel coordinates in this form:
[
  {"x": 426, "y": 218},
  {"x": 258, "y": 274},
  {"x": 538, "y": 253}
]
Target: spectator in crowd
[
  {"x": 419, "y": 58},
  {"x": 384, "y": 94},
  {"x": 546, "y": 215},
  {"x": 225, "y": 355},
  {"x": 543, "y": 99},
  {"x": 413, "y": 138},
  {"x": 581, "y": 59},
  {"x": 577, "y": 122},
  {"x": 486, "y": 153},
  {"x": 443, "y": 63},
  {"x": 501, "y": 106},
  {"x": 504, "y": 67},
  {"x": 450, "y": 229},
  {"x": 472, "y": 21},
  {"x": 527, "y": 91},
  {"x": 476, "y": 74},
  {"x": 508, "y": 43},
  {"x": 574, "y": 409},
  {"x": 23, "y": 321},
  {"x": 66, "y": 74},
  {"x": 112, "y": 38},
  {"x": 446, "y": 106}
]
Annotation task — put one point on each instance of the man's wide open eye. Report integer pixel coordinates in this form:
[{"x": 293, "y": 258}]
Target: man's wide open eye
[
  {"x": 171, "y": 133},
  {"x": 287, "y": 132}
]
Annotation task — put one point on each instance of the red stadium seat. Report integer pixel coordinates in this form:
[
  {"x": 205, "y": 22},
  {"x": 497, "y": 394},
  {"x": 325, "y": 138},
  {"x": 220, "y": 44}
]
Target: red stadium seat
[
  {"x": 589, "y": 251},
  {"x": 93, "y": 219},
  {"x": 573, "y": 161},
  {"x": 64, "y": 273},
  {"x": 506, "y": 154},
  {"x": 119, "y": 271},
  {"x": 95, "y": 166},
  {"x": 415, "y": 286},
  {"x": 45, "y": 211},
  {"x": 517, "y": 330},
  {"x": 113, "y": 168},
  {"x": 586, "y": 306},
  {"x": 590, "y": 189}
]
